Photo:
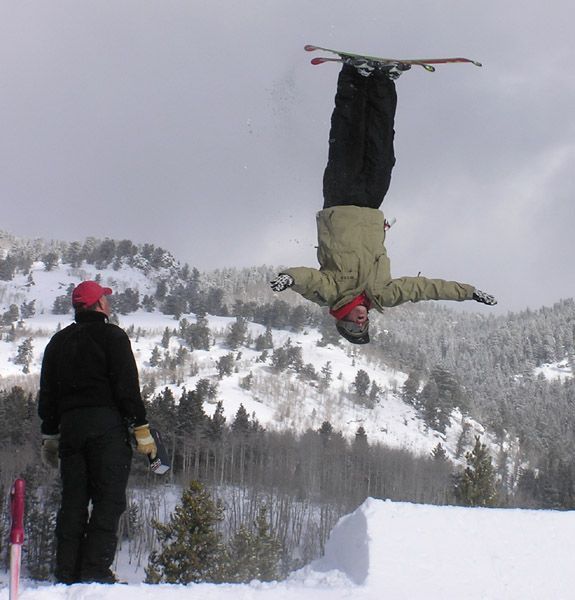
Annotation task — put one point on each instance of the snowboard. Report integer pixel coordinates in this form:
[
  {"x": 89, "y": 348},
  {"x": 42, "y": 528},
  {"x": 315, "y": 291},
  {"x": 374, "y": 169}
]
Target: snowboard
[
  {"x": 159, "y": 465},
  {"x": 426, "y": 63}
]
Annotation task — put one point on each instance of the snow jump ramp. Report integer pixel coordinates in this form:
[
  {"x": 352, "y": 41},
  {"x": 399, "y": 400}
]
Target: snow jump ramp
[{"x": 410, "y": 551}]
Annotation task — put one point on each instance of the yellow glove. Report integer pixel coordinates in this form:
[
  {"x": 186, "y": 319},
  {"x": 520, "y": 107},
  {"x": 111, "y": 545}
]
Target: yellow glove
[{"x": 145, "y": 441}]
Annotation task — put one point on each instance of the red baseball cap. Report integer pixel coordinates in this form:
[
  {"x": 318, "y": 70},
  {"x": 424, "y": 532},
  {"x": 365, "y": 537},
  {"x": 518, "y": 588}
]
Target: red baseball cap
[{"x": 88, "y": 293}]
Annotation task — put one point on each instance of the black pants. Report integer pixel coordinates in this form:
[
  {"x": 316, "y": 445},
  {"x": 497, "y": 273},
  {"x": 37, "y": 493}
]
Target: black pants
[
  {"x": 361, "y": 155},
  {"x": 95, "y": 459}
]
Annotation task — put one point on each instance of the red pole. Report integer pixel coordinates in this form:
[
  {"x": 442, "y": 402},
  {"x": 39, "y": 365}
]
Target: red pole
[{"x": 16, "y": 534}]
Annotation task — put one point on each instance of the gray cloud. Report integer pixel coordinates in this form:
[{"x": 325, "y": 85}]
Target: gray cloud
[{"x": 201, "y": 127}]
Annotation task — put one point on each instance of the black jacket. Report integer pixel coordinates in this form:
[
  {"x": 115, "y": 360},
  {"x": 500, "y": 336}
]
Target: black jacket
[{"x": 89, "y": 363}]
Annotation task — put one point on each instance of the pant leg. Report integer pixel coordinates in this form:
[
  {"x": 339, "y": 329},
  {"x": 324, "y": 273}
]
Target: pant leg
[
  {"x": 109, "y": 459},
  {"x": 73, "y": 514},
  {"x": 361, "y": 155}
]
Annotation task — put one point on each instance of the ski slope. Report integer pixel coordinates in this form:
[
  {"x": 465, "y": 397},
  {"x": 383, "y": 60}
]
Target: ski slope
[{"x": 398, "y": 551}]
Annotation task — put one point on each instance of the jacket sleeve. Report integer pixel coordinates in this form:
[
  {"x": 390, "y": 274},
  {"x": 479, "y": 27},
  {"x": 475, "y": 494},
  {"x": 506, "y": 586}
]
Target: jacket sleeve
[
  {"x": 413, "y": 289},
  {"x": 48, "y": 394},
  {"x": 314, "y": 285},
  {"x": 124, "y": 378}
]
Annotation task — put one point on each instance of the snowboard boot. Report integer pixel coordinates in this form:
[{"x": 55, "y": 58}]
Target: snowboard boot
[{"x": 366, "y": 67}]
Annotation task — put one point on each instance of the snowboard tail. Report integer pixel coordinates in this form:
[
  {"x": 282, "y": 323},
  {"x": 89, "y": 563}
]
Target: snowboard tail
[{"x": 426, "y": 63}]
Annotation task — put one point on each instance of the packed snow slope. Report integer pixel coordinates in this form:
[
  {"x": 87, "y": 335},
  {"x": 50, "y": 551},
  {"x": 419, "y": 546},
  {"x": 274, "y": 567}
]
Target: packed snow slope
[{"x": 399, "y": 551}]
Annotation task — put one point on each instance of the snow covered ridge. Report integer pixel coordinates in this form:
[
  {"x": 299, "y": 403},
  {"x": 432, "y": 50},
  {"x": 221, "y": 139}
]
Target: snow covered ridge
[
  {"x": 399, "y": 551},
  {"x": 277, "y": 402}
]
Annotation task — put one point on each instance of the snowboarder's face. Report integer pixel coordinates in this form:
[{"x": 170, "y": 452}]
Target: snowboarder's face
[{"x": 358, "y": 314}]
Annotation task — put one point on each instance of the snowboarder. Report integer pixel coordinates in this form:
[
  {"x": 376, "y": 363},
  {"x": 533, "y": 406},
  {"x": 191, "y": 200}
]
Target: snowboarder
[
  {"x": 354, "y": 275},
  {"x": 89, "y": 398}
]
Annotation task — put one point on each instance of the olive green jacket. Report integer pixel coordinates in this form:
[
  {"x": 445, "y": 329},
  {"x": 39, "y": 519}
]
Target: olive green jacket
[{"x": 353, "y": 260}]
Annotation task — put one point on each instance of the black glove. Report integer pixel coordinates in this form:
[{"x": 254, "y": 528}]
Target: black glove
[
  {"x": 49, "y": 451},
  {"x": 484, "y": 298},
  {"x": 281, "y": 282}
]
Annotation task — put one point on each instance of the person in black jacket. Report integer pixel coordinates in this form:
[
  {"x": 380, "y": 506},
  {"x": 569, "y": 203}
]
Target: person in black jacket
[{"x": 89, "y": 401}]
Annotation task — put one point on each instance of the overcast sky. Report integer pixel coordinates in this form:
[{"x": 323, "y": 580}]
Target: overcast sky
[{"x": 201, "y": 127}]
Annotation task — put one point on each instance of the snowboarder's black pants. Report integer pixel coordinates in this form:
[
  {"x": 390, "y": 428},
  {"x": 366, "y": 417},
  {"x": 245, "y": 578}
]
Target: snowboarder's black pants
[
  {"x": 361, "y": 155},
  {"x": 95, "y": 459}
]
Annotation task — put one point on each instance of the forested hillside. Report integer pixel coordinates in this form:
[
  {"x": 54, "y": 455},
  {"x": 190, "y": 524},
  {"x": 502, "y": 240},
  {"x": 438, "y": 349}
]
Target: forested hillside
[{"x": 341, "y": 423}]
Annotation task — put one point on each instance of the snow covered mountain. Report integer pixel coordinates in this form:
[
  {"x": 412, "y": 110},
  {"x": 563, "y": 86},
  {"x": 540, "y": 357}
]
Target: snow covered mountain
[{"x": 289, "y": 400}]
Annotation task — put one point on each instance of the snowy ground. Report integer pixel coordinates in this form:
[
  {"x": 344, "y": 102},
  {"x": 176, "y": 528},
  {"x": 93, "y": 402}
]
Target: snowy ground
[{"x": 399, "y": 551}]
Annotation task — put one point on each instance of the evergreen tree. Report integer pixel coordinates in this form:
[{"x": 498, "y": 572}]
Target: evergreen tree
[
  {"x": 62, "y": 305},
  {"x": 361, "y": 384},
  {"x": 166, "y": 338},
  {"x": 24, "y": 355},
  {"x": 11, "y": 315},
  {"x": 73, "y": 255},
  {"x": 241, "y": 423},
  {"x": 254, "y": 553},
  {"x": 237, "y": 333},
  {"x": 410, "y": 389},
  {"x": 27, "y": 309},
  {"x": 50, "y": 260},
  {"x": 298, "y": 318},
  {"x": 225, "y": 365},
  {"x": 247, "y": 381},
  {"x": 476, "y": 485},
  {"x": 360, "y": 439},
  {"x": 439, "y": 453},
  {"x": 155, "y": 357},
  {"x": 127, "y": 301},
  {"x": 191, "y": 549},
  {"x": 214, "y": 302},
  {"x": 7, "y": 268},
  {"x": 325, "y": 431},
  {"x": 192, "y": 418},
  {"x": 196, "y": 335},
  {"x": 217, "y": 423},
  {"x": 265, "y": 341},
  {"x": 326, "y": 376}
]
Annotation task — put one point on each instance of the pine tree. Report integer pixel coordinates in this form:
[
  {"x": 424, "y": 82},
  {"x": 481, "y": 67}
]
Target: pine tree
[
  {"x": 225, "y": 365},
  {"x": 326, "y": 376},
  {"x": 62, "y": 305},
  {"x": 360, "y": 440},
  {"x": 265, "y": 341},
  {"x": 50, "y": 260},
  {"x": 217, "y": 423},
  {"x": 254, "y": 553},
  {"x": 476, "y": 485},
  {"x": 11, "y": 315},
  {"x": 166, "y": 338},
  {"x": 24, "y": 355},
  {"x": 438, "y": 453},
  {"x": 241, "y": 423},
  {"x": 27, "y": 309},
  {"x": 155, "y": 357},
  {"x": 410, "y": 389},
  {"x": 7, "y": 268},
  {"x": 361, "y": 384},
  {"x": 237, "y": 333},
  {"x": 191, "y": 547}
]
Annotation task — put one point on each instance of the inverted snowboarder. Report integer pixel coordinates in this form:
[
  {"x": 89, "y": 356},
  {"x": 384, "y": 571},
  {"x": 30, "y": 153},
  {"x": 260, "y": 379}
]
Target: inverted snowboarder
[{"x": 354, "y": 275}]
